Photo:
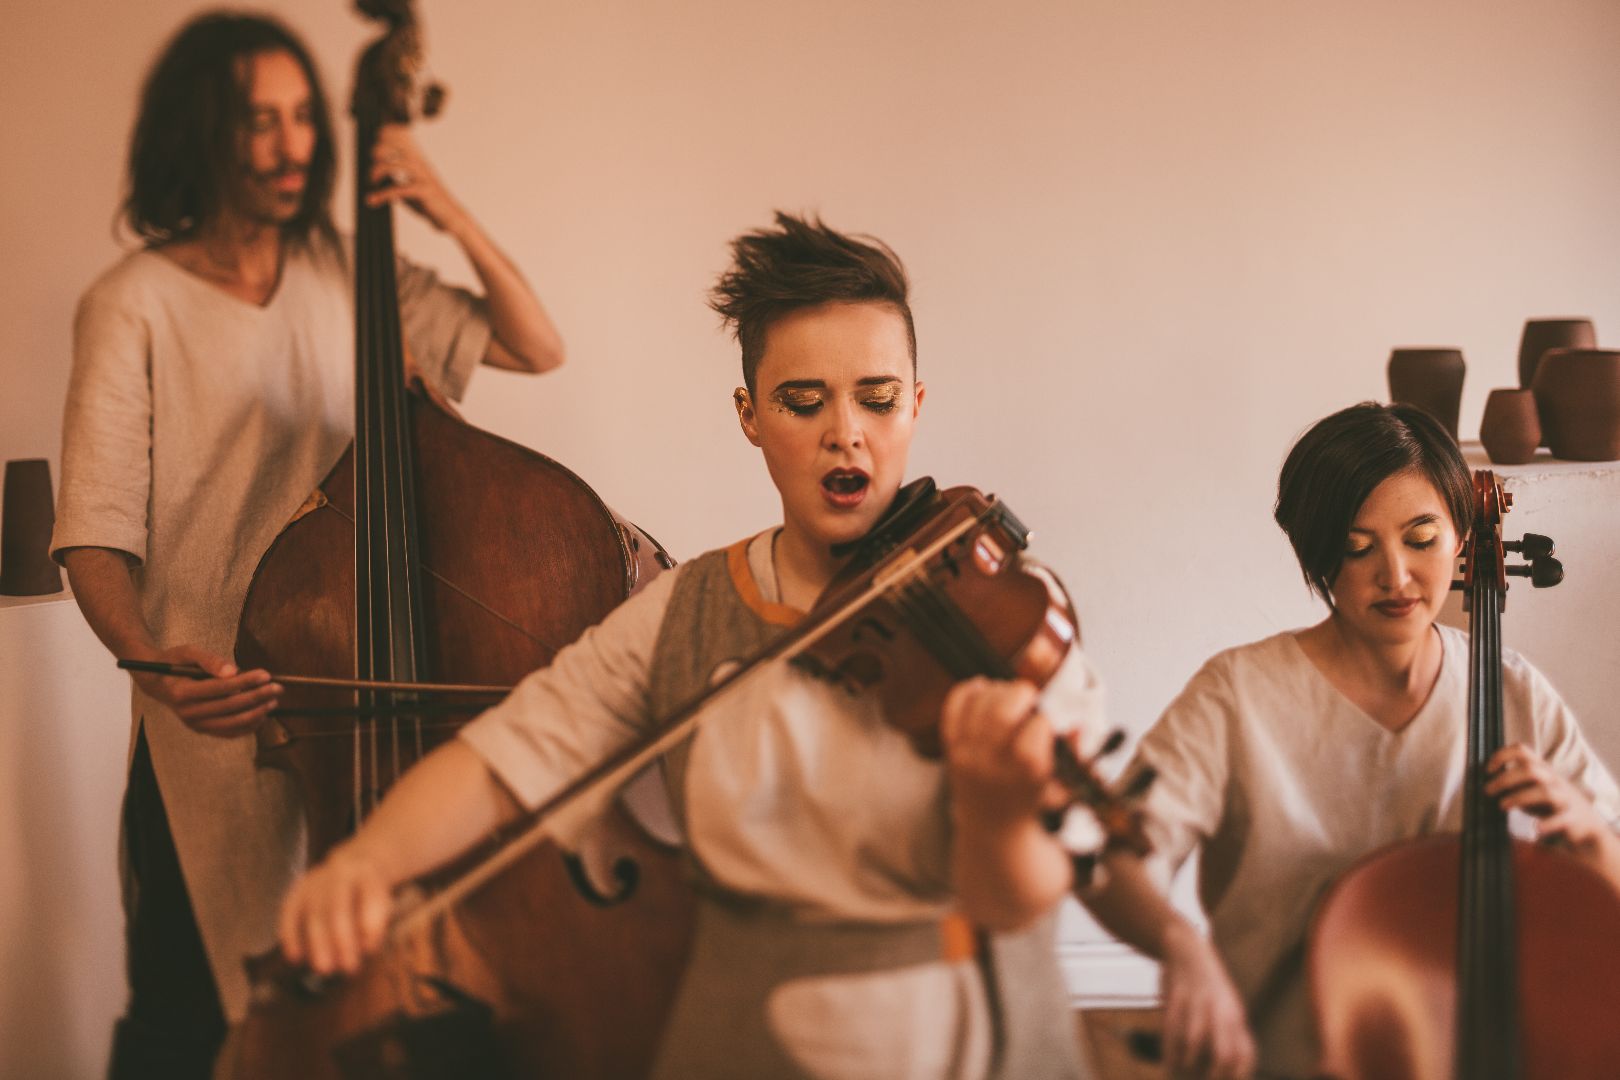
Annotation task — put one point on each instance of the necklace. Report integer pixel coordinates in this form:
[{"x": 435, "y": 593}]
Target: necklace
[{"x": 776, "y": 570}]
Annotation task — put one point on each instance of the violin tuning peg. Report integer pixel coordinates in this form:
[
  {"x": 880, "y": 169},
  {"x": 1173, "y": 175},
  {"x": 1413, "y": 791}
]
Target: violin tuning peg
[
  {"x": 1140, "y": 783},
  {"x": 1085, "y": 869},
  {"x": 1111, "y": 745}
]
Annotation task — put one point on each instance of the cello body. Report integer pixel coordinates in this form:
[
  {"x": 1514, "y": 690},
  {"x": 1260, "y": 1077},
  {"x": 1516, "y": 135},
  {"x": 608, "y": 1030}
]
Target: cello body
[{"x": 1384, "y": 965}]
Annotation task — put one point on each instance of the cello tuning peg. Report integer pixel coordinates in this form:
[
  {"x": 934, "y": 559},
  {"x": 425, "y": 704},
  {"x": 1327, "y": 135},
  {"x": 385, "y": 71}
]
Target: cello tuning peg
[
  {"x": 1533, "y": 546},
  {"x": 1545, "y": 572}
]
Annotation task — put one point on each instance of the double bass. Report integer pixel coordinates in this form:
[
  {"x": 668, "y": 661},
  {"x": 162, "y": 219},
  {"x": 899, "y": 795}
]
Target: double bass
[
  {"x": 1472, "y": 956},
  {"x": 438, "y": 553}
]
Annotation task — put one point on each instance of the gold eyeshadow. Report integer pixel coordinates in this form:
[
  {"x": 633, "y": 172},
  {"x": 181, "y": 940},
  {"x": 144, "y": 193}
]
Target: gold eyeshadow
[
  {"x": 882, "y": 398},
  {"x": 1425, "y": 533},
  {"x": 797, "y": 399}
]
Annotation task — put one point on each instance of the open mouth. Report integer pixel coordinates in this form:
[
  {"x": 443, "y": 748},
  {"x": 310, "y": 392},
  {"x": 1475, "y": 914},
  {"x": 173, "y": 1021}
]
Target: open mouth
[{"x": 845, "y": 487}]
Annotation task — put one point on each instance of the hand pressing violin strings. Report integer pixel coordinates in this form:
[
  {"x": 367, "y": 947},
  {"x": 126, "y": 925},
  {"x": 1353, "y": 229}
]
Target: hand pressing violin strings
[{"x": 999, "y": 757}]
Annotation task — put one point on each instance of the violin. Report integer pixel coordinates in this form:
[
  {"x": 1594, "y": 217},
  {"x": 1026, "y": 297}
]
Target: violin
[
  {"x": 1472, "y": 956},
  {"x": 937, "y": 593}
]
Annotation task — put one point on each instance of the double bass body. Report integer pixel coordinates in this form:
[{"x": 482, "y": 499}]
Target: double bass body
[{"x": 519, "y": 556}]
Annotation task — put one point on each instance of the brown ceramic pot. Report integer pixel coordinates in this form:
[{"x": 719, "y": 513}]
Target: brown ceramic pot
[
  {"x": 1578, "y": 398},
  {"x": 1543, "y": 334},
  {"x": 1511, "y": 429},
  {"x": 1431, "y": 379},
  {"x": 25, "y": 531}
]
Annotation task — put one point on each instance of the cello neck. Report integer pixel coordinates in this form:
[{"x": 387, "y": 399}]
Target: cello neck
[{"x": 1487, "y": 1033}]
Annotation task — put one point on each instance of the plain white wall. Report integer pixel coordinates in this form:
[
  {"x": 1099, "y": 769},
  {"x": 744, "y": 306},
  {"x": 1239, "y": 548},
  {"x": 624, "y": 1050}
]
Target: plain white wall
[{"x": 1149, "y": 241}]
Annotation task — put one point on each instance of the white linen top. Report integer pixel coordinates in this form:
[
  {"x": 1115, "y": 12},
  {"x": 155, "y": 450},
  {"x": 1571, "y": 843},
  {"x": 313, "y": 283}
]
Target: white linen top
[
  {"x": 1282, "y": 782},
  {"x": 197, "y": 423}
]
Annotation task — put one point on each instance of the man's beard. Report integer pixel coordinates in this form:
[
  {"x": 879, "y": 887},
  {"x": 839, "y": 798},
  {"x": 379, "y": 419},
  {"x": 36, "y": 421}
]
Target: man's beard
[{"x": 262, "y": 203}]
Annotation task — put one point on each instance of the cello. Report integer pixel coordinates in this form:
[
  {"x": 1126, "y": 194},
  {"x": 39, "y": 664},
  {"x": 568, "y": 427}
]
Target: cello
[
  {"x": 938, "y": 594},
  {"x": 1473, "y": 956},
  {"x": 435, "y": 552}
]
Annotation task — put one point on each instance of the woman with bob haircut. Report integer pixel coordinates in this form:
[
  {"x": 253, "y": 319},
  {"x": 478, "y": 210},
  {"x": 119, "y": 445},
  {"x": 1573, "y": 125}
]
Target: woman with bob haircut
[{"x": 1285, "y": 760}]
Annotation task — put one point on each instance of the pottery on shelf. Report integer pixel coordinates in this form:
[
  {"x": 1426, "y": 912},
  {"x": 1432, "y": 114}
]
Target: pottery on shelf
[
  {"x": 1511, "y": 428},
  {"x": 1543, "y": 334},
  {"x": 26, "y": 519},
  {"x": 1578, "y": 399},
  {"x": 1431, "y": 379}
]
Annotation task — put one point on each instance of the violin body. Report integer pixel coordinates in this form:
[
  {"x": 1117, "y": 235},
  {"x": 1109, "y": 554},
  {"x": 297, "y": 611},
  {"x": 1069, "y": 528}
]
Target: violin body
[
  {"x": 915, "y": 640},
  {"x": 1383, "y": 968}
]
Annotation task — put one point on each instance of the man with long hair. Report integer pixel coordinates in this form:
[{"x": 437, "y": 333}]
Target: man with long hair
[{"x": 212, "y": 388}]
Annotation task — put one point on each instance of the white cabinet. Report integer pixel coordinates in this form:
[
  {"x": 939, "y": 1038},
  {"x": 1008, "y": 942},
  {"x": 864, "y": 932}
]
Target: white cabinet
[{"x": 64, "y": 740}]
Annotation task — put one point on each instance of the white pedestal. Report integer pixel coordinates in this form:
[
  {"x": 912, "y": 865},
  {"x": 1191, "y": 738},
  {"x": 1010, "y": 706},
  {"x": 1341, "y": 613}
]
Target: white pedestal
[
  {"x": 64, "y": 737},
  {"x": 1569, "y": 632}
]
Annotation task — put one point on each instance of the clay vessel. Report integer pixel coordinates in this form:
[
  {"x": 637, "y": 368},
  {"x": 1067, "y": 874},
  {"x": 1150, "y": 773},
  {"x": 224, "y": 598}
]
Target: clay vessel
[
  {"x": 1511, "y": 429},
  {"x": 1431, "y": 379},
  {"x": 26, "y": 519},
  {"x": 1543, "y": 334},
  {"x": 1578, "y": 398}
]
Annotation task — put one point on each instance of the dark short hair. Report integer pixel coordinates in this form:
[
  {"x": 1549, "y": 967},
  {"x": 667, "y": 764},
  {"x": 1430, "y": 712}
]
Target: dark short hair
[
  {"x": 802, "y": 263},
  {"x": 184, "y": 153},
  {"x": 1337, "y": 463}
]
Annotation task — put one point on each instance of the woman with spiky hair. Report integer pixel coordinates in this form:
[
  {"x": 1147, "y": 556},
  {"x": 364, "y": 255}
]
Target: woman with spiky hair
[{"x": 841, "y": 875}]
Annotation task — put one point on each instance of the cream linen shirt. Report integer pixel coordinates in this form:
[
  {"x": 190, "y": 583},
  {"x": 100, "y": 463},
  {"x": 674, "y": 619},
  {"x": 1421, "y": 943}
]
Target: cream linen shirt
[
  {"x": 795, "y": 791},
  {"x": 196, "y": 425},
  {"x": 1281, "y": 783}
]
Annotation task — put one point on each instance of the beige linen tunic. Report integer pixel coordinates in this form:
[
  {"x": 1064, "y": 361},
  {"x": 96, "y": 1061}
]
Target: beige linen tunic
[
  {"x": 795, "y": 793},
  {"x": 196, "y": 425},
  {"x": 1282, "y": 783}
]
